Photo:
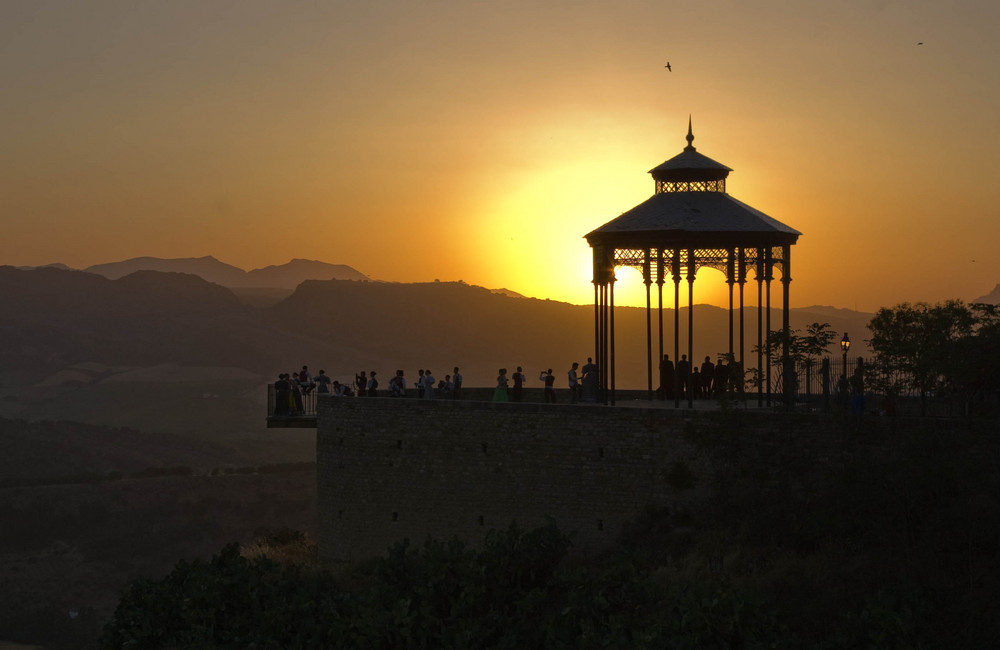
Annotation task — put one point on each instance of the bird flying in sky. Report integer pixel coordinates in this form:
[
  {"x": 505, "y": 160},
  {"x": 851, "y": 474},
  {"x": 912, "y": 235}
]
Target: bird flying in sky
[{"x": 669, "y": 69}]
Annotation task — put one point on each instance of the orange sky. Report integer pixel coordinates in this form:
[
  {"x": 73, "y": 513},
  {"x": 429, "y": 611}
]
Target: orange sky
[{"x": 480, "y": 141}]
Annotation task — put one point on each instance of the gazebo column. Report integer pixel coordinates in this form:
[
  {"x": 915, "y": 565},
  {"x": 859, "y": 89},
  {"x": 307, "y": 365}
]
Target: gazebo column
[
  {"x": 597, "y": 335},
  {"x": 603, "y": 277},
  {"x": 602, "y": 349},
  {"x": 768, "y": 276},
  {"x": 730, "y": 280},
  {"x": 691, "y": 271},
  {"x": 676, "y": 272},
  {"x": 611, "y": 334},
  {"x": 742, "y": 281},
  {"x": 648, "y": 281},
  {"x": 760, "y": 327},
  {"x": 659, "y": 292},
  {"x": 786, "y": 360}
]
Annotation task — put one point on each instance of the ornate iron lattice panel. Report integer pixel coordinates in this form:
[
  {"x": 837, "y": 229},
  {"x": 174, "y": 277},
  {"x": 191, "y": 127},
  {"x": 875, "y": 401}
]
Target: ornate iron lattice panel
[
  {"x": 690, "y": 186},
  {"x": 632, "y": 257}
]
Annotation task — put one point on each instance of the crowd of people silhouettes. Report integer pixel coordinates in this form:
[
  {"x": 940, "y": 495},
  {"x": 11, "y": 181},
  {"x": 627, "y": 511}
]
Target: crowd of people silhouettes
[{"x": 293, "y": 390}]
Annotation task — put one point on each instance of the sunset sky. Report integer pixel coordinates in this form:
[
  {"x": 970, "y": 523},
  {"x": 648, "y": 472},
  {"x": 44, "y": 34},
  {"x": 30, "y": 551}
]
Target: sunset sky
[{"x": 480, "y": 140}]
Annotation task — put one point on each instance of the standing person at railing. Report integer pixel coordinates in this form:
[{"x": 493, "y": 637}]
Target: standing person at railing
[
  {"x": 361, "y": 381},
  {"x": 306, "y": 380},
  {"x": 281, "y": 388},
  {"x": 550, "y": 385},
  {"x": 397, "y": 385},
  {"x": 518, "y": 377},
  {"x": 372, "y": 385},
  {"x": 500, "y": 392},
  {"x": 295, "y": 402},
  {"x": 322, "y": 382},
  {"x": 574, "y": 383},
  {"x": 588, "y": 390},
  {"x": 428, "y": 382},
  {"x": 456, "y": 377},
  {"x": 707, "y": 377}
]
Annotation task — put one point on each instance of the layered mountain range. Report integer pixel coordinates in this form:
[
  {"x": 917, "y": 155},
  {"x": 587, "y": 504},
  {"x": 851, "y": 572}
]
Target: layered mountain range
[{"x": 56, "y": 319}]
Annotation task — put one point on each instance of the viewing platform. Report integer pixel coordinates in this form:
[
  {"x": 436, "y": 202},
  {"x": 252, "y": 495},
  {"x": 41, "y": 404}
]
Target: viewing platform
[{"x": 305, "y": 418}]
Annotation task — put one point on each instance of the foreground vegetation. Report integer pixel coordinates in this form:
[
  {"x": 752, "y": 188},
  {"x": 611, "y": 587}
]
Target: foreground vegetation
[{"x": 901, "y": 551}]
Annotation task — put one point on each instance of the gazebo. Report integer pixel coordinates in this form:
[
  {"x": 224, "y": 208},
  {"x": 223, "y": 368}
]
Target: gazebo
[{"x": 690, "y": 222}]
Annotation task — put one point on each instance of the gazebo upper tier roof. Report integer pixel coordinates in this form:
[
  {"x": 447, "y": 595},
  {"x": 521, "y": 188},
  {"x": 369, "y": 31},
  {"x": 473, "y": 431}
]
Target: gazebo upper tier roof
[
  {"x": 689, "y": 165},
  {"x": 693, "y": 219}
]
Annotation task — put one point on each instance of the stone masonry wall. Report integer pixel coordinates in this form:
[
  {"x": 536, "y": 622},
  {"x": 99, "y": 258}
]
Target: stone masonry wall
[{"x": 390, "y": 469}]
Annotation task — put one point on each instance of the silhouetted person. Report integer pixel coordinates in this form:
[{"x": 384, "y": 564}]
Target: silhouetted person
[
  {"x": 420, "y": 383},
  {"x": 361, "y": 382},
  {"x": 666, "y": 390},
  {"x": 721, "y": 382},
  {"x": 428, "y": 385},
  {"x": 322, "y": 382},
  {"x": 734, "y": 375},
  {"x": 858, "y": 378},
  {"x": 707, "y": 376},
  {"x": 296, "y": 395},
  {"x": 372, "y": 385},
  {"x": 589, "y": 390},
  {"x": 281, "y": 389},
  {"x": 515, "y": 393},
  {"x": 457, "y": 378},
  {"x": 684, "y": 376},
  {"x": 306, "y": 380},
  {"x": 574, "y": 383},
  {"x": 550, "y": 386},
  {"x": 500, "y": 392},
  {"x": 397, "y": 385}
]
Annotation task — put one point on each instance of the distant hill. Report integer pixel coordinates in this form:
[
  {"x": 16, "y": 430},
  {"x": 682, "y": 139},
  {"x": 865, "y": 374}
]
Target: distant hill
[
  {"x": 284, "y": 276},
  {"x": 55, "y": 265},
  {"x": 290, "y": 275},
  {"x": 992, "y": 298},
  {"x": 54, "y": 319}
]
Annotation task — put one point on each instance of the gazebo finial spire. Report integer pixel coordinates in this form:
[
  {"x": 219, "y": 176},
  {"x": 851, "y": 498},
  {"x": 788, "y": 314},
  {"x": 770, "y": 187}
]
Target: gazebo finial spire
[{"x": 690, "y": 137}]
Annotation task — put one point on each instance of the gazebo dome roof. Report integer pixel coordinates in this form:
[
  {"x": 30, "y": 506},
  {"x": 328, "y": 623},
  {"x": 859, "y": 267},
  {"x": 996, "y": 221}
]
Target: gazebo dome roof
[{"x": 689, "y": 165}]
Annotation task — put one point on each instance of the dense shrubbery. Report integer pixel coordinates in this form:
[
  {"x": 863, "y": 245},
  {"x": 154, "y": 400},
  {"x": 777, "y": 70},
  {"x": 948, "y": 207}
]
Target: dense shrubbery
[{"x": 890, "y": 555}]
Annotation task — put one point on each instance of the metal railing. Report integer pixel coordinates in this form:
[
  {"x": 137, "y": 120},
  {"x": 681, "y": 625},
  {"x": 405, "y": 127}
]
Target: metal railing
[{"x": 290, "y": 404}]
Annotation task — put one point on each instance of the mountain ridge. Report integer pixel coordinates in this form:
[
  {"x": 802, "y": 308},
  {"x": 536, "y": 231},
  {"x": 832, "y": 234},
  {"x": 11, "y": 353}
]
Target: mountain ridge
[{"x": 284, "y": 276}]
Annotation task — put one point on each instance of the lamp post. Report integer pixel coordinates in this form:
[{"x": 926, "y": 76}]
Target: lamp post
[{"x": 845, "y": 345}]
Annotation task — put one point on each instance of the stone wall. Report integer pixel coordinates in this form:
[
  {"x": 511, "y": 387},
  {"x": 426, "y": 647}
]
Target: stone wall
[
  {"x": 390, "y": 469},
  {"x": 393, "y": 469}
]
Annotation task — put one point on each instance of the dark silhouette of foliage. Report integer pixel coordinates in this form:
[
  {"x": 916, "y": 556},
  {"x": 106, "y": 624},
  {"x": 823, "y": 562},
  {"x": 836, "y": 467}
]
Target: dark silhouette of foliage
[
  {"x": 946, "y": 349},
  {"x": 888, "y": 554}
]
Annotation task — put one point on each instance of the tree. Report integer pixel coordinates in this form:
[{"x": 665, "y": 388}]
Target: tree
[
  {"x": 927, "y": 348},
  {"x": 802, "y": 349}
]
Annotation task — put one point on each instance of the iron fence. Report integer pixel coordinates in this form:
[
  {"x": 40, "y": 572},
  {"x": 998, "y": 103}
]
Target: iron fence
[{"x": 294, "y": 403}]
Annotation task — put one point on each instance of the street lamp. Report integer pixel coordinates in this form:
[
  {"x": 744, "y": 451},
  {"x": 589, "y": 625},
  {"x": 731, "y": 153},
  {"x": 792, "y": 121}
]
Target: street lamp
[{"x": 845, "y": 345}]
